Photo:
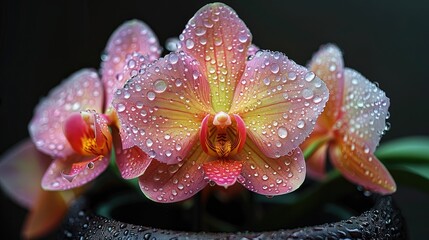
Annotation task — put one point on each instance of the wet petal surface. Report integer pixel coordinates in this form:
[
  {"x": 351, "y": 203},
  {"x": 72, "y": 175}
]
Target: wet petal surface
[
  {"x": 269, "y": 176},
  {"x": 66, "y": 174},
  {"x": 176, "y": 182},
  {"x": 279, "y": 101},
  {"x": 218, "y": 39},
  {"x": 81, "y": 91},
  {"x": 365, "y": 111},
  {"x": 222, "y": 172},
  {"x": 362, "y": 168},
  {"x": 132, "y": 162},
  {"x": 161, "y": 109},
  {"x": 328, "y": 65},
  {"x": 131, "y": 37}
]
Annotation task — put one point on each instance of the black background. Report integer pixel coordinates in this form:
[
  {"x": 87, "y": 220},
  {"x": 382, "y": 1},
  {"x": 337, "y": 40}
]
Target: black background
[{"x": 43, "y": 42}]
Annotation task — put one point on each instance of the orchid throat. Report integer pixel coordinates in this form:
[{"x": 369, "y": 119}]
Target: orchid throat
[{"x": 222, "y": 135}]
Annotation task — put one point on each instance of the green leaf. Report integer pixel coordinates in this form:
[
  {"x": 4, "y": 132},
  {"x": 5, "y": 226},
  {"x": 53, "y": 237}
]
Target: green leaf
[
  {"x": 405, "y": 150},
  {"x": 414, "y": 175}
]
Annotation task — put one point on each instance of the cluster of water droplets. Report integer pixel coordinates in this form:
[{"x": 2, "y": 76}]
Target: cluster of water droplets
[
  {"x": 133, "y": 37},
  {"x": 175, "y": 182},
  {"x": 366, "y": 110},
  {"x": 276, "y": 176},
  {"x": 279, "y": 101},
  {"x": 219, "y": 41},
  {"x": 161, "y": 108}
]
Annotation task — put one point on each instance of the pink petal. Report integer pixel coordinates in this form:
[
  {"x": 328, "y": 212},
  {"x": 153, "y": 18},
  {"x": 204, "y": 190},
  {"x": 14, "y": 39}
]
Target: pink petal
[
  {"x": 366, "y": 110},
  {"x": 65, "y": 174},
  {"x": 21, "y": 170},
  {"x": 279, "y": 101},
  {"x": 132, "y": 36},
  {"x": 223, "y": 172},
  {"x": 362, "y": 168},
  {"x": 135, "y": 64},
  {"x": 161, "y": 109},
  {"x": 270, "y": 176},
  {"x": 132, "y": 162},
  {"x": 177, "y": 182},
  {"x": 218, "y": 39},
  {"x": 81, "y": 91},
  {"x": 328, "y": 65}
]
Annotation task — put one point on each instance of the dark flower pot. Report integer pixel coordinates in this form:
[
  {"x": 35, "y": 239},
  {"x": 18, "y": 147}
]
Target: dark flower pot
[{"x": 383, "y": 220}]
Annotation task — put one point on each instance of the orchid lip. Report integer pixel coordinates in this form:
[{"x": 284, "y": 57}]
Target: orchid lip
[{"x": 222, "y": 135}]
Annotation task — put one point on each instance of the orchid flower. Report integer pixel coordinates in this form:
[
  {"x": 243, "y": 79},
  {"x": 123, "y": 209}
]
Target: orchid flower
[
  {"x": 208, "y": 114},
  {"x": 76, "y": 125},
  {"x": 350, "y": 126}
]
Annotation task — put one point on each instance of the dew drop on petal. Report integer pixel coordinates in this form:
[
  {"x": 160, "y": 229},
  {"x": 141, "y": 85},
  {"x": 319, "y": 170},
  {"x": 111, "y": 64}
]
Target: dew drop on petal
[
  {"x": 282, "y": 132},
  {"x": 151, "y": 96},
  {"x": 300, "y": 124},
  {"x": 173, "y": 58},
  {"x": 307, "y": 93},
  {"x": 274, "y": 68},
  {"x": 189, "y": 43},
  {"x": 309, "y": 76},
  {"x": 120, "y": 107},
  {"x": 159, "y": 86}
]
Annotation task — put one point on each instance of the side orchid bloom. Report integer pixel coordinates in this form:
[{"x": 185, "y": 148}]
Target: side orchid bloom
[
  {"x": 350, "y": 126},
  {"x": 208, "y": 114},
  {"x": 76, "y": 125}
]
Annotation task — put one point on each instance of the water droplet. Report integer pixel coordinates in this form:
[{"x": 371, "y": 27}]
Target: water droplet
[
  {"x": 189, "y": 43},
  {"x": 172, "y": 44},
  {"x": 173, "y": 58},
  {"x": 199, "y": 31},
  {"x": 131, "y": 63},
  {"x": 291, "y": 76},
  {"x": 307, "y": 93},
  {"x": 149, "y": 142},
  {"x": 120, "y": 107},
  {"x": 151, "y": 153},
  {"x": 91, "y": 165},
  {"x": 274, "y": 68},
  {"x": 242, "y": 37},
  {"x": 300, "y": 124},
  {"x": 282, "y": 132},
  {"x": 159, "y": 86},
  {"x": 267, "y": 81},
  {"x": 151, "y": 96},
  {"x": 309, "y": 76},
  {"x": 265, "y": 177}
]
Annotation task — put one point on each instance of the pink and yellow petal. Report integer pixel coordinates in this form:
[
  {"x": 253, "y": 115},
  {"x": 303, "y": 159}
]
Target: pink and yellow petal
[
  {"x": 365, "y": 109},
  {"x": 270, "y": 176},
  {"x": 131, "y": 37},
  {"x": 328, "y": 65},
  {"x": 176, "y": 182},
  {"x": 361, "y": 167},
  {"x": 161, "y": 109},
  {"x": 75, "y": 171},
  {"x": 219, "y": 40},
  {"x": 21, "y": 170},
  {"x": 81, "y": 91},
  {"x": 279, "y": 101}
]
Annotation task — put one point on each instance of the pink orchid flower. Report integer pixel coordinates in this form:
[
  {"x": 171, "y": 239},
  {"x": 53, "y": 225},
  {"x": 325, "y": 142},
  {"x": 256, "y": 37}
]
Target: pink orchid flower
[
  {"x": 208, "y": 114},
  {"x": 72, "y": 123},
  {"x": 350, "y": 126}
]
